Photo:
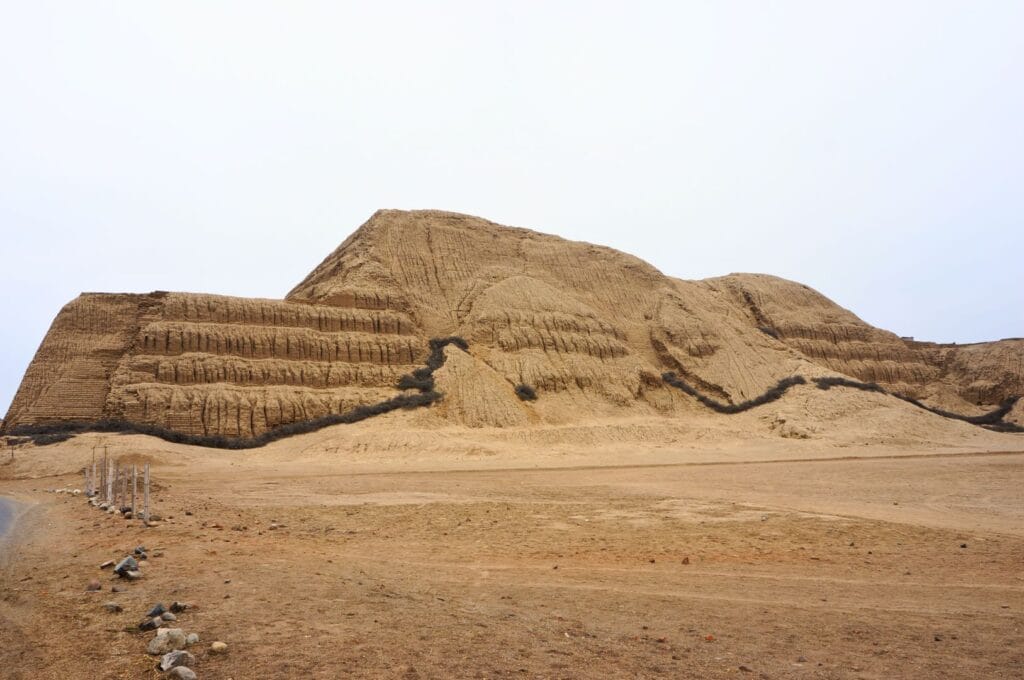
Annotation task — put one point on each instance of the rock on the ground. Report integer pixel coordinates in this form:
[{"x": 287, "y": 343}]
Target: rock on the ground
[
  {"x": 113, "y": 607},
  {"x": 166, "y": 640},
  {"x": 133, "y": 575},
  {"x": 126, "y": 565},
  {"x": 182, "y": 673},
  {"x": 218, "y": 647},
  {"x": 178, "y": 607},
  {"x": 167, "y": 616},
  {"x": 177, "y": 658},
  {"x": 192, "y": 639},
  {"x": 157, "y": 609},
  {"x": 94, "y": 585},
  {"x": 108, "y": 563},
  {"x": 150, "y": 623}
]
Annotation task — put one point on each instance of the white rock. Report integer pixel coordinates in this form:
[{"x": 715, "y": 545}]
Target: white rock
[{"x": 166, "y": 640}]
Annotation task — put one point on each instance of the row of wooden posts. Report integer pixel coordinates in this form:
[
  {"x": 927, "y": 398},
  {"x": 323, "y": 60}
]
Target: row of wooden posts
[{"x": 117, "y": 484}]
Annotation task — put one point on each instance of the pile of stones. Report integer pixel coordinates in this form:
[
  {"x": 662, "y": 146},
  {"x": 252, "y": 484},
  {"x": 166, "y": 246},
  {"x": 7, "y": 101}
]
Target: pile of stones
[{"x": 171, "y": 644}]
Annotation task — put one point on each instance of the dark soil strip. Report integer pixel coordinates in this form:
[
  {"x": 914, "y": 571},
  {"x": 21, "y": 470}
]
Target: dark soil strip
[
  {"x": 422, "y": 379},
  {"x": 993, "y": 420},
  {"x": 772, "y": 394}
]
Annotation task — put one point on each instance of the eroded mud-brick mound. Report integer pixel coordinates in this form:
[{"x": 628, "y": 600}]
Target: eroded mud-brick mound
[{"x": 583, "y": 331}]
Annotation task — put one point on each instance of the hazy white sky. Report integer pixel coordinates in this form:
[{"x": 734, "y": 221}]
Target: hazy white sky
[{"x": 873, "y": 150}]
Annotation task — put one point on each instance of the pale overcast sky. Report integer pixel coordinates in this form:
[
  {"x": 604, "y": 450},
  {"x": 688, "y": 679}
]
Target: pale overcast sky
[{"x": 872, "y": 150}]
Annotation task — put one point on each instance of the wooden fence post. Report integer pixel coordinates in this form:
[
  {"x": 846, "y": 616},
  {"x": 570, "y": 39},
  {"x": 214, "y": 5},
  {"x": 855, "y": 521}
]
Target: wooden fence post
[
  {"x": 145, "y": 495},
  {"x": 110, "y": 481}
]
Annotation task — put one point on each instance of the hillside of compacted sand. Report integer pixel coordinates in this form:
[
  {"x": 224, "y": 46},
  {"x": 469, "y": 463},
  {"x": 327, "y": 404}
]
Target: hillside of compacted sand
[{"x": 529, "y": 330}]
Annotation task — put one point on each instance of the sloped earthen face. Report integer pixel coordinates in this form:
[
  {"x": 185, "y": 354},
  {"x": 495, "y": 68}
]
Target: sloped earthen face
[{"x": 589, "y": 328}]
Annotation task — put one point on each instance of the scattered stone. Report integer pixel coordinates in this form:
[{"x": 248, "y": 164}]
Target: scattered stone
[
  {"x": 93, "y": 586},
  {"x": 746, "y": 669},
  {"x": 167, "y": 640},
  {"x": 188, "y": 512},
  {"x": 179, "y": 607},
  {"x": 117, "y": 589},
  {"x": 127, "y": 515},
  {"x": 167, "y": 616},
  {"x": 108, "y": 563},
  {"x": 113, "y": 607},
  {"x": 801, "y": 659},
  {"x": 963, "y": 545},
  {"x": 111, "y": 510},
  {"x": 126, "y": 565},
  {"x": 938, "y": 638},
  {"x": 686, "y": 560},
  {"x": 182, "y": 673},
  {"x": 218, "y": 647},
  {"x": 140, "y": 550},
  {"x": 133, "y": 575},
  {"x": 150, "y": 623},
  {"x": 191, "y": 639},
  {"x": 157, "y": 609},
  {"x": 179, "y": 657}
]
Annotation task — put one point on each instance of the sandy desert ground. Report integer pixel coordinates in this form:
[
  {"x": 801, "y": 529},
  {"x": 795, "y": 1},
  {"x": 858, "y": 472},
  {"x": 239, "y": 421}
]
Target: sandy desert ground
[{"x": 625, "y": 559}]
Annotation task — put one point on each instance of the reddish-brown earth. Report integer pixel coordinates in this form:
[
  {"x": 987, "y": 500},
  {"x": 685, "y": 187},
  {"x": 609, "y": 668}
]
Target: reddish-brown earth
[{"x": 618, "y": 562}]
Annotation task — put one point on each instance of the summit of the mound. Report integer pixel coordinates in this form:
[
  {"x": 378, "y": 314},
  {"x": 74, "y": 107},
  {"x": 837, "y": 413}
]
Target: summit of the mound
[{"x": 591, "y": 329}]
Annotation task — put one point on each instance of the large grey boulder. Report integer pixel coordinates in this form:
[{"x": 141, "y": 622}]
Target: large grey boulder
[{"x": 177, "y": 658}]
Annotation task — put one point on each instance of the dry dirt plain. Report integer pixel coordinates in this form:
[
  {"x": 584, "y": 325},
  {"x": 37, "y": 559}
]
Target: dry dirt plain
[{"x": 894, "y": 563}]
